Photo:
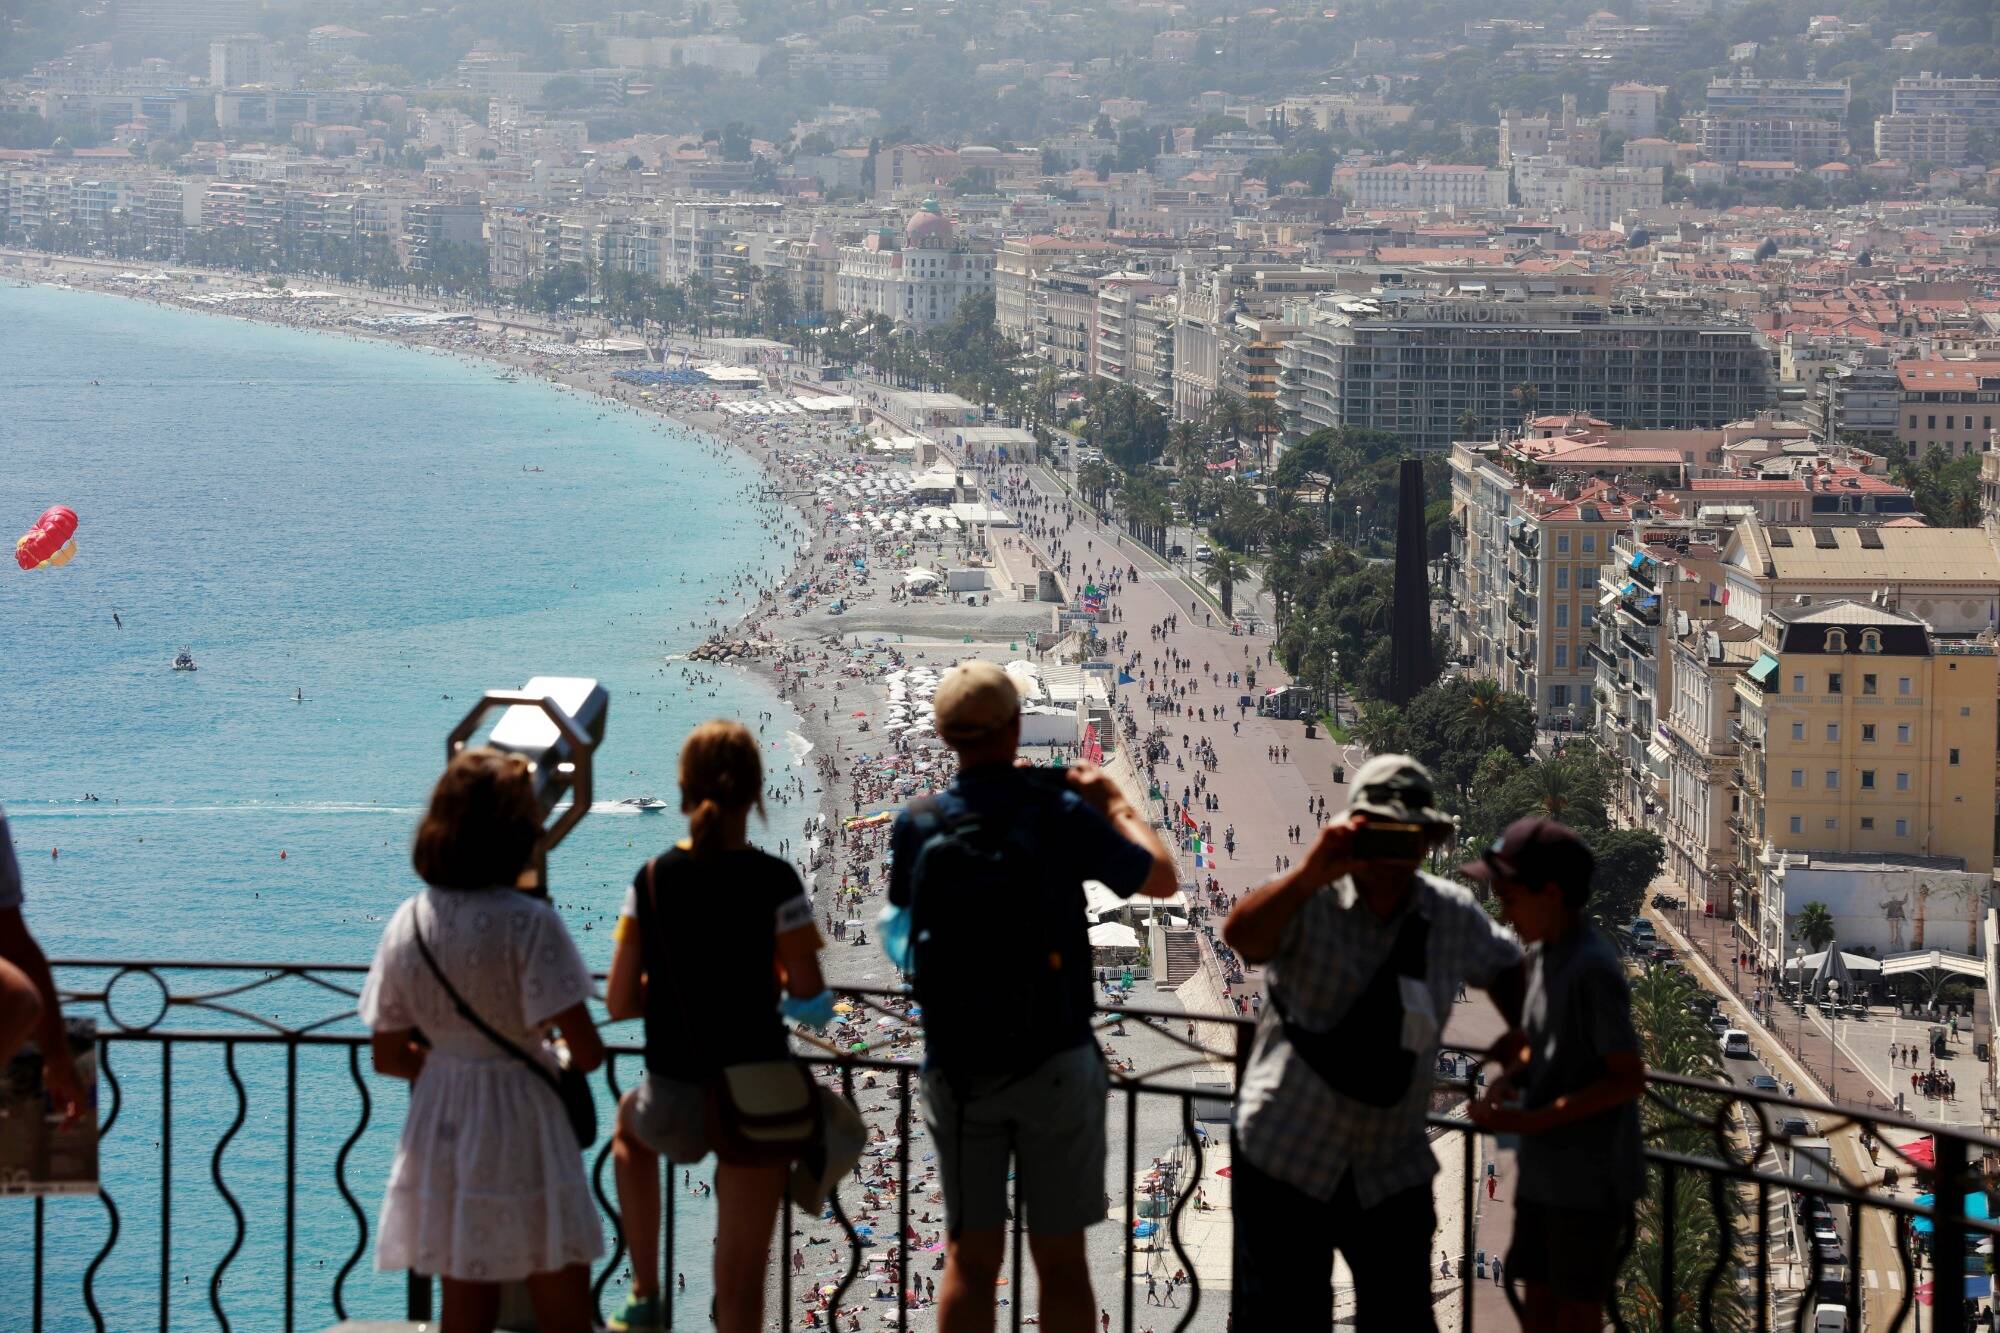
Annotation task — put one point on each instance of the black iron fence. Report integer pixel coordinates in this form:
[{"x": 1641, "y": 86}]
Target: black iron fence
[{"x": 1762, "y": 1211}]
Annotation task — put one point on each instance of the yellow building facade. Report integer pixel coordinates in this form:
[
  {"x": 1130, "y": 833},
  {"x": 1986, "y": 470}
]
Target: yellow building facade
[{"x": 1860, "y": 732}]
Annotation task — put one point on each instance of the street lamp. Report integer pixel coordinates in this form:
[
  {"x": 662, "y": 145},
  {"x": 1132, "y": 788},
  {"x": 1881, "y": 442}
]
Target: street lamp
[
  {"x": 1799, "y": 995},
  {"x": 1833, "y": 1054}
]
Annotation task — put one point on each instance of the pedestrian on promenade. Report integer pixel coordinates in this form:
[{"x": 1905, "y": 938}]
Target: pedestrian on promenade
[
  {"x": 709, "y": 934},
  {"x": 487, "y": 1185},
  {"x": 1571, "y": 1086},
  {"x": 1362, "y": 955},
  {"x": 29, "y": 1006},
  {"x": 987, "y": 878}
]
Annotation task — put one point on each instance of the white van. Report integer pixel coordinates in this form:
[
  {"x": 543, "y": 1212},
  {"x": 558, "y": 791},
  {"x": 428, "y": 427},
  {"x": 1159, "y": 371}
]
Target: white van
[
  {"x": 1830, "y": 1319},
  {"x": 1736, "y": 1044}
]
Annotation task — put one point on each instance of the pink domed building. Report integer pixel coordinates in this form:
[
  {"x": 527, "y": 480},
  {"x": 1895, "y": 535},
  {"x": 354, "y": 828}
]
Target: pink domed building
[{"x": 918, "y": 278}]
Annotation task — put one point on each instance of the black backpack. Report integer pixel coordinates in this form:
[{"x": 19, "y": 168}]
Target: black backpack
[{"x": 997, "y": 939}]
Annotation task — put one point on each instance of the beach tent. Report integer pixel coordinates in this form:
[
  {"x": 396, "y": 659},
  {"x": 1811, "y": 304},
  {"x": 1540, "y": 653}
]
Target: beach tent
[{"x": 1113, "y": 935}]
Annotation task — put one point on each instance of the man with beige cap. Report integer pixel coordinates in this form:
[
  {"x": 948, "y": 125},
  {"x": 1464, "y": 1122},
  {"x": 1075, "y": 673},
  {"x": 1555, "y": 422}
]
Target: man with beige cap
[
  {"x": 1362, "y": 955},
  {"x": 990, "y": 873}
]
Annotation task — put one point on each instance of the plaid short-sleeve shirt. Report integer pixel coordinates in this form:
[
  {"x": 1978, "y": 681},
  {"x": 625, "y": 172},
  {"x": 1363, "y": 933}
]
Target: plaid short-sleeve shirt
[{"x": 1289, "y": 1123}]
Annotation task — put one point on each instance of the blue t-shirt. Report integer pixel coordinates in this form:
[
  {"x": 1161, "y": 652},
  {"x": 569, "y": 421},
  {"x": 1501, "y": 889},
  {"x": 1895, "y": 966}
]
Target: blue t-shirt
[
  {"x": 1071, "y": 841},
  {"x": 10, "y": 869}
]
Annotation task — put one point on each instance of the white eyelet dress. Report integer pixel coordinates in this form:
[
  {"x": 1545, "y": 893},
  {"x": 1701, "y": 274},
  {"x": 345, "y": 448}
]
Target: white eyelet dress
[{"x": 488, "y": 1184}]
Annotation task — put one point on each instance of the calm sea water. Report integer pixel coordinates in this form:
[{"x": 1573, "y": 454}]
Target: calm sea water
[{"x": 308, "y": 512}]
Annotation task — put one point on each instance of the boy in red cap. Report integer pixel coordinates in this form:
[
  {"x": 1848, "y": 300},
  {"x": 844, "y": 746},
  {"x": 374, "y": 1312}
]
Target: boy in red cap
[{"x": 1571, "y": 1090}]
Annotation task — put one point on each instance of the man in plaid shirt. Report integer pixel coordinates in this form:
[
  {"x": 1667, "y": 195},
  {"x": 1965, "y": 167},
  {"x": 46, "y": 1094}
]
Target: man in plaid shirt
[{"x": 1363, "y": 956}]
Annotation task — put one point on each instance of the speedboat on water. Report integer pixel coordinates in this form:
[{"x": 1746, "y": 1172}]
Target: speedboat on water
[
  {"x": 645, "y": 805},
  {"x": 184, "y": 660}
]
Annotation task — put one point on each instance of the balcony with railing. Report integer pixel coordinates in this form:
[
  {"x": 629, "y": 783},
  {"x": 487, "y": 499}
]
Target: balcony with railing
[{"x": 236, "y": 1107}]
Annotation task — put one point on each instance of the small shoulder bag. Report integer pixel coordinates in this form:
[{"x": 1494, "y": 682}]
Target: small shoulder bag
[
  {"x": 570, "y": 1086},
  {"x": 760, "y": 1113}
]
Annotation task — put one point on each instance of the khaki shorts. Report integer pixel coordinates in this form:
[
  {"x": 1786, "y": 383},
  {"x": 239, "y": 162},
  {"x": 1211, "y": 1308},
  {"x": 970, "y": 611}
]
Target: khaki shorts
[{"x": 1049, "y": 1123}]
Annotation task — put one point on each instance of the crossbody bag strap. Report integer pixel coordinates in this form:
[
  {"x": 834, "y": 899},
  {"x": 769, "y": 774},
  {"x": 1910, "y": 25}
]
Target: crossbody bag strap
[
  {"x": 465, "y": 1011},
  {"x": 643, "y": 903}
]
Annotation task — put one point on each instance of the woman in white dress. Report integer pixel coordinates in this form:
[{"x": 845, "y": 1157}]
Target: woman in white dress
[{"x": 488, "y": 1183}]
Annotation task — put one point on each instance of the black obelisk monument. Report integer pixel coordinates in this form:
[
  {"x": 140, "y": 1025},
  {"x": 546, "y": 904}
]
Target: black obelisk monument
[{"x": 1410, "y": 625}]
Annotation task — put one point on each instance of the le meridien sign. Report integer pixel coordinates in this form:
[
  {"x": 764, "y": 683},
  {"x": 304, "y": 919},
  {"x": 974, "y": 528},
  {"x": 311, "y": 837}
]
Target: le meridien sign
[{"x": 1474, "y": 312}]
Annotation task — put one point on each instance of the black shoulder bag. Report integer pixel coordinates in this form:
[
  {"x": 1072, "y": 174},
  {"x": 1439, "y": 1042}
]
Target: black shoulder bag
[
  {"x": 571, "y": 1088},
  {"x": 1362, "y": 1055}
]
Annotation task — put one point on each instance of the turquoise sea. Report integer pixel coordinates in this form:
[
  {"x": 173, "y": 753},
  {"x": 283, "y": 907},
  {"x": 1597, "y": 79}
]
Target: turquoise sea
[{"x": 355, "y": 521}]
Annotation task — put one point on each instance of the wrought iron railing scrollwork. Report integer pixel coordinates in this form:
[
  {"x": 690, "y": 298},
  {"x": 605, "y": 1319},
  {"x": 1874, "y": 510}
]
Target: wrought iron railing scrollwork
[{"x": 1723, "y": 1139}]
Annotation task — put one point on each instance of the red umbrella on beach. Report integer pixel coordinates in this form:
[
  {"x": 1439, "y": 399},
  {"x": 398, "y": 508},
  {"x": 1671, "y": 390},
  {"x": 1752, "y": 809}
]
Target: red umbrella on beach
[{"x": 860, "y": 712}]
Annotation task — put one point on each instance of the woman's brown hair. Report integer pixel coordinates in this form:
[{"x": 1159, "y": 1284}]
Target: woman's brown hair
[
  {"x": 482, "y": 824},
  {"x": 720, "y": 773}
]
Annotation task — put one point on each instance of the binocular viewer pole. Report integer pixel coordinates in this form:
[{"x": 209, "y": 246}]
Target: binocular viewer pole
[{"x": 556, "y": 723}]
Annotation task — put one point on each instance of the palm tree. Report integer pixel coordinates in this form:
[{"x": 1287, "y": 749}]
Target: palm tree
[
  {"x": 1566, "y": 789},
  {"x": 1487, "y": 715},
  {"x": 1673, "y": 1040},
  {"x": 1528, "y": 397},
  {"x": 1962, "y": 504},
  {"x": 1813, "y": 926},
  {"x": 1469, "y": 424},
  {"x": 1095, "y": 479},
  {"x": 1380, "y": 728},
  {"x": 1224, "y": 572}
]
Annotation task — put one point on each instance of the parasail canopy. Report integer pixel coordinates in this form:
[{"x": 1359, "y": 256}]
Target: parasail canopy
[{"x": 51, "y": 542}]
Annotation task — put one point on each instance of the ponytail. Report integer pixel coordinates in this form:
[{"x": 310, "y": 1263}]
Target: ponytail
[{"x": 704, "y": 826}]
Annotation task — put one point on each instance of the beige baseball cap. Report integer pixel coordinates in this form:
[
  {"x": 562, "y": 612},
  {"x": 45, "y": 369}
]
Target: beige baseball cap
[{"x": 974, "y": 700}]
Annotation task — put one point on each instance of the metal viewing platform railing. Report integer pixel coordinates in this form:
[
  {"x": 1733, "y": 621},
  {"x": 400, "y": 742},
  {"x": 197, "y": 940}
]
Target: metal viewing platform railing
[{"x": 1750, "y": 1219}]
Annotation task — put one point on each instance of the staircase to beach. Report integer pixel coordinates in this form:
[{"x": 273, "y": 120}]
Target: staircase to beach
[{"x": 1183, "y": 959}]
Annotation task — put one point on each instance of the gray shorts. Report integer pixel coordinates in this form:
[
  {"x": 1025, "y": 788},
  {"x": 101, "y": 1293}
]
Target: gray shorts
[
  {"x": 670, "y": 1117},
  {"x": 1049, "y": 1122}
]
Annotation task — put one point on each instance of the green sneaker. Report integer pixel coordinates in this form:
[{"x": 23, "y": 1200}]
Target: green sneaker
[{"x": 640, "y": 1315}]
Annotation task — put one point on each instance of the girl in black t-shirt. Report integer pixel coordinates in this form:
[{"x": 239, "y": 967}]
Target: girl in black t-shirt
[{"x": 728, "y": 927}]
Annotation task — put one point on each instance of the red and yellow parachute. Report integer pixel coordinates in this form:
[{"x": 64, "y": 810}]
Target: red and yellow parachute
[{"x": 51, "y": 543}]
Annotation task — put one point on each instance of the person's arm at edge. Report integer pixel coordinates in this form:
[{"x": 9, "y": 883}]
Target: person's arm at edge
[
  {"x": 579, "y": 1034},
  {"x": 798, "y": 961},
  {"x": 625, "y": 987},
  {"x": 18, "y": 946},
  {"x": 1099, "y": 792},
  {"x": 1256, "y": 926},
  {"x": 1509, "y": 990},
  {"x": 1623, "y": 1080}
]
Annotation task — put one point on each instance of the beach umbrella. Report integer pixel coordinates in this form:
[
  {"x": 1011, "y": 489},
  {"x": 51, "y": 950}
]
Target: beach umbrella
[{"x": 1833, "y": 968}]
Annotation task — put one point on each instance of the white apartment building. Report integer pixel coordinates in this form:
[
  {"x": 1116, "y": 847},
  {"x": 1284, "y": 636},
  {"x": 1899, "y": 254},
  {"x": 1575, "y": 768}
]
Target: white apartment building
[
  {"x": 1632, "y": 110},
  {"x": 1909, "y": 137},
  {"x": 1425, "y": 185},
  {"x": 919, "y": 281},
  {"x": 1973, "y": 100}
]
